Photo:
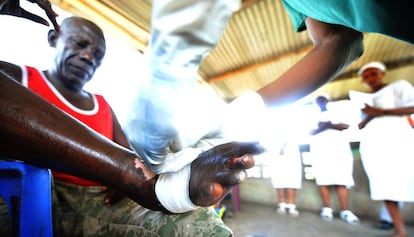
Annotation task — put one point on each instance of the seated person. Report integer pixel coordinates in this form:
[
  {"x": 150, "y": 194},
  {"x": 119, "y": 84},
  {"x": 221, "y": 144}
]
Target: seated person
[{"x": 63, "y": 144}]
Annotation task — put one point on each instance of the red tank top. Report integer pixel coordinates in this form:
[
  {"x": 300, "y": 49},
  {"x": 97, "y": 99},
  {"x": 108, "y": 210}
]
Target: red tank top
[{"x": 99, "y": 118}]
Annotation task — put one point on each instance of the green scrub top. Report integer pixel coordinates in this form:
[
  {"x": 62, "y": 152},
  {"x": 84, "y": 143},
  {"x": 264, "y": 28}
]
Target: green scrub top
[{"x": 389, "y": 17}]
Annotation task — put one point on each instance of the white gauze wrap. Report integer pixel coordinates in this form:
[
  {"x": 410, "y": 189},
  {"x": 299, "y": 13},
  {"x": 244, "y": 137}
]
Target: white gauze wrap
[{"x": 172, "y": 190}]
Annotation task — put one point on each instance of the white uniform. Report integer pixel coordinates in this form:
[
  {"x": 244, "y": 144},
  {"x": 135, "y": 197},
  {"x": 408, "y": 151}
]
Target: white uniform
[
  {"x": 332, "y": 159},
  {"x": 287, "y": 168},
  {"x": 386, "y": 147}
]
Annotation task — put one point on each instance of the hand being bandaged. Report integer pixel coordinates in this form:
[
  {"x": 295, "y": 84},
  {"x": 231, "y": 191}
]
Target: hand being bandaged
[
  {"x": 172, "y": 111},
  {"x": 208, "y": 178}
]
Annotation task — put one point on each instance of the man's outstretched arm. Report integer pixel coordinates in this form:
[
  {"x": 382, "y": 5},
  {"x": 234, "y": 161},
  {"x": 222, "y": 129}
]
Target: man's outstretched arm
[{"x": 34, "y": 131}]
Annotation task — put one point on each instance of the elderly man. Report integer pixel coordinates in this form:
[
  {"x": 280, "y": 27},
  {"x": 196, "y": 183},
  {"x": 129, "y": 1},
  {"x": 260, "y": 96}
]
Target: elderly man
[{"x": 55, "y": 140}]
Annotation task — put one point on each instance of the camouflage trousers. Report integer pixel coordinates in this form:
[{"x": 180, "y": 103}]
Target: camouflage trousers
[{"x": 79, "y": 211}]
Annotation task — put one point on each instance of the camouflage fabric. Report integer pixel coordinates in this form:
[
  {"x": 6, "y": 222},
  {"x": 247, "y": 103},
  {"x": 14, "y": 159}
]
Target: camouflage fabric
[
  {"x": 79, "y": 211},
  {"x": 5, "y": 229}
]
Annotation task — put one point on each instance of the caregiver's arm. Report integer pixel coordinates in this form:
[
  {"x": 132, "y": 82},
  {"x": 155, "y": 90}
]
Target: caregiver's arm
[{"x": 335, "y": 47}]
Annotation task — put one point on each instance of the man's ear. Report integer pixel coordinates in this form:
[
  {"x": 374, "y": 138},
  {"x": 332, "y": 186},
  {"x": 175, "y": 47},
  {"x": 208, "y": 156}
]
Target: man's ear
[{"x": 52, "y": 37}]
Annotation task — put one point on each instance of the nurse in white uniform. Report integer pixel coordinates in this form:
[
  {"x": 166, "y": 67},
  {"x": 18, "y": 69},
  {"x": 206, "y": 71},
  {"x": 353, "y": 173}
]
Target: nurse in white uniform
[
  {"x": 332, "y": 162},
  {"x": 387, "y": 139}
]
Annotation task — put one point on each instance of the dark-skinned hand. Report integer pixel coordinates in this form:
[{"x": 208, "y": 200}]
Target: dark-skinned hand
[
  {"x": 370, "y": 112},
  {"x": 13, "y": 8},
  {"x": 111, "y": 196},
  {"x": 216, "y": 171}
]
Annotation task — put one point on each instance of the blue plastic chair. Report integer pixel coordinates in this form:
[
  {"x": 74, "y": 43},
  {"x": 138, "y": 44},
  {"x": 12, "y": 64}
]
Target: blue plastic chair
[{"x": 27, "y": 192}]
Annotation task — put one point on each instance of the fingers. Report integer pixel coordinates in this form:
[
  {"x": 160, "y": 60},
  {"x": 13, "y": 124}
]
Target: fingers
[
  {"x": 212, "y": 193},
  {"x": 111, "y": 196},
  {"x": 215, "y": 191},
  {"x": 238, "y": 149},
  {"x": 244, "y": 162},
  {"x": 235, "y": 178},
  {"x": 231, "y": 178},
  {"x": 33, "y": 17},
  {"x": 219, "y": 169},
  {"x": 54, "y": 23},
  {"x": 51, "y": 14},
  {"x": 47, "y": 7}
]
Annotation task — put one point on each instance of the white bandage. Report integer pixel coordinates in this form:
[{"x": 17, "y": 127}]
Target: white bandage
[{"x": 172, "y": 190}]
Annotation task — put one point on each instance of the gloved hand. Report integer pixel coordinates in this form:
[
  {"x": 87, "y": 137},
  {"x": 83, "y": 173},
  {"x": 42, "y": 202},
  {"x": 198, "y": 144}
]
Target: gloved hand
[
  {"x": 170, "y": 96},
  {"x": 168, "y": 114}
]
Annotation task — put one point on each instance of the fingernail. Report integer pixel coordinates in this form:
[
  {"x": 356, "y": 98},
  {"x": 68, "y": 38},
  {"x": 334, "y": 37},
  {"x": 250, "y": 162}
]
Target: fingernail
[
  {"x": 246, "y": 158},
  {"x": 242, "y": 176},
  {"x": 137, "y": 163}
]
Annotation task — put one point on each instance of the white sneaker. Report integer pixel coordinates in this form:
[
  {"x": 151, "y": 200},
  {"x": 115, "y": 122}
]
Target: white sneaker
[
  {"x": 281, "y": 209},
  {"x": 327, "y": 214},
  {"x": 291, "y": 209},
  {"x": 349, "y": 217}
]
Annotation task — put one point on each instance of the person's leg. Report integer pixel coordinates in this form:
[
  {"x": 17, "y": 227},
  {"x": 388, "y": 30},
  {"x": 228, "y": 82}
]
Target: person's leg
[
  {"x": 281, "y": 195},
  {"x": 291, "y": 195},
  {"x": 385, "y": 220},
  {"x": 325, "y": 195},
  {"x": 384, "y": 215},
  {"x": 326, "y": 211},
  {"x": 5, "y": 227},
  {"x": 343, "y": 197},
  {"x": 345, "y": 214},
  {"x": 291, "y": 199},
  {"x": 396, "y": 216},
  {"x": 127, "y": 218}
]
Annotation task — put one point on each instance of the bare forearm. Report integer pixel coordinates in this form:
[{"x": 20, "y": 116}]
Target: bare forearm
[
  {"x": 335, "y": 47},
  {"x": 398, "y": 111},
  {"x": 36, "y": 132}
]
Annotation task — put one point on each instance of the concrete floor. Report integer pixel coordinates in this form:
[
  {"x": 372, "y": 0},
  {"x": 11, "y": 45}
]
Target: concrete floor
[{"x": 258, "y": 220}]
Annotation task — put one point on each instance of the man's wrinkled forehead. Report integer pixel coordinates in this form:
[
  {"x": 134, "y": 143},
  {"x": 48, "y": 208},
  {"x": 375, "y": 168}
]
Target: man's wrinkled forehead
[
  {"x": 83, "y": 28},
  {"x": 81, "y": 24}
]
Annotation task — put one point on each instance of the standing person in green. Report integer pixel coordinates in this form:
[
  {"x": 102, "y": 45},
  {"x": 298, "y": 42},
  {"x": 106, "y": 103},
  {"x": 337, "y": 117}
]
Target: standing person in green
[{"x": 177, "y": 48}]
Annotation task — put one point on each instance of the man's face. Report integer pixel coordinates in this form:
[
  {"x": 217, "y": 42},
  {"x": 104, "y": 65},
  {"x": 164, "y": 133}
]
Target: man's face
[{"x": 80, "y": 49}]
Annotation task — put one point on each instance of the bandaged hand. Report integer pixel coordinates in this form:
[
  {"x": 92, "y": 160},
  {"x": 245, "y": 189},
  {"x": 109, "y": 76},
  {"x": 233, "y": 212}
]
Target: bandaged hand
[
  {"x": 209, "y": 177},
  {"x": 219, "y": 169}
]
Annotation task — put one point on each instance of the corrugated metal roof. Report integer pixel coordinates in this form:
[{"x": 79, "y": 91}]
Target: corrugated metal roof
[{"x": 259, "y": 44}]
